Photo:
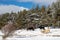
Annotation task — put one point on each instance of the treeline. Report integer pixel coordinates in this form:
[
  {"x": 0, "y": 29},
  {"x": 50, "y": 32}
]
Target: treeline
[{"x": 49, "y": 16}]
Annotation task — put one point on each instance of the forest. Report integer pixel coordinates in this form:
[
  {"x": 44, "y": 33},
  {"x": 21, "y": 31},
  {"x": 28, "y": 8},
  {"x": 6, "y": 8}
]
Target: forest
[{"x": 47, "y": 16}]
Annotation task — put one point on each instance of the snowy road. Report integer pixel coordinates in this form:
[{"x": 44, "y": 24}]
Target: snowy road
[
  {"x": 35, "y": 38},
  {"x": 34, "y": 35}
]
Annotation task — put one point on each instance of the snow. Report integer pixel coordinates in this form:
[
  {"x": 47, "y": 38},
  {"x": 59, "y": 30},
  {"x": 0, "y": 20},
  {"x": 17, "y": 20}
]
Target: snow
[
  {"x": 33, "y": 35},
  {"x": 1, "y": 33}
]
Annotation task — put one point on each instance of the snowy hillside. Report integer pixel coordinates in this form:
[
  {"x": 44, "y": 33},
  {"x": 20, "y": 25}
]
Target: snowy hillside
[{"x": 33, "y": 35}]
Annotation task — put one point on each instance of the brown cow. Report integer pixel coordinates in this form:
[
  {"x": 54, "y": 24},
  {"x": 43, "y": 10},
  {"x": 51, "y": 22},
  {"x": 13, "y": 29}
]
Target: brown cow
[{"x": 31, "y": 26}]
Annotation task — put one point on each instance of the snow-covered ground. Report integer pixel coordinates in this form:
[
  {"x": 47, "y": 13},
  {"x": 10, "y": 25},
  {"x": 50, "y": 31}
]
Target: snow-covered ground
[{"x": 33, "y": 35}]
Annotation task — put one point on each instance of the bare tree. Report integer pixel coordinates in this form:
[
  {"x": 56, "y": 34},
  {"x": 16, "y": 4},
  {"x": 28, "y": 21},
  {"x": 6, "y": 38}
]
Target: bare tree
[{"x": 8, "y": 29}]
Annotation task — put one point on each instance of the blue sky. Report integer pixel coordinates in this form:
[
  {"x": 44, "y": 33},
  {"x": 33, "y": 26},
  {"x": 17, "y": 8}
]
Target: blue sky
[{"x": 25, "y": 4}]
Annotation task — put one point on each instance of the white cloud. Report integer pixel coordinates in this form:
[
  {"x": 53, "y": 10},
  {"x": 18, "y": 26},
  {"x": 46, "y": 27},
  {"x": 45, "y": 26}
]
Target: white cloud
[
  {"x": 25, "y": 0},
  {"x": 10, "y": 8},
  {"x": 38, "y": 1}
]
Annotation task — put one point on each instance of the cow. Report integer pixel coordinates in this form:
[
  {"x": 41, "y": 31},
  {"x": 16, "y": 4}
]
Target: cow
[
  {"x": 47, "y": 30},
  {"x": 30, "y": 28},
  {"x": 42, "y": 27}
]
